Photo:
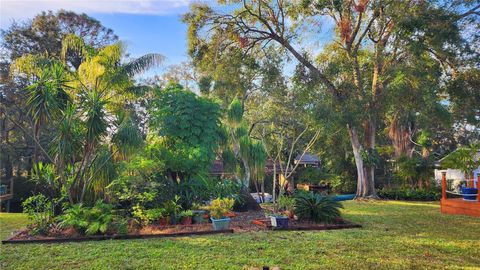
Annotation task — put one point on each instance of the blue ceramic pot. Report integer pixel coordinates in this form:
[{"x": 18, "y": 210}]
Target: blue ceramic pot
[
  {"x": 469, "y": 194},
  {"x": 279, "y": 221},
  {"x": 220, "y": 224}
]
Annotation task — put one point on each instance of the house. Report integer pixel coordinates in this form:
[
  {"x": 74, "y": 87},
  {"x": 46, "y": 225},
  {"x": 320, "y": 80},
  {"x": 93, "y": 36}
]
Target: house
[{"x": 307, "y": 160}]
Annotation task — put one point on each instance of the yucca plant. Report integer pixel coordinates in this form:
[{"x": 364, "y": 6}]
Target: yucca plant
[{"x": 317, "y": 208}]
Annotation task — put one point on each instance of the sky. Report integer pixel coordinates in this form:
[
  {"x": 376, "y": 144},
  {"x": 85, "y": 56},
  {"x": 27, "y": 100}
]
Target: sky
[{"x": 146, "y": 26}]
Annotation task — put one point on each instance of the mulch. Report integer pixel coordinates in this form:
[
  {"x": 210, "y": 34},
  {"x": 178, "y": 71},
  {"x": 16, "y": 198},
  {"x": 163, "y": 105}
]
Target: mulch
[{"x": 251, "y": 221}]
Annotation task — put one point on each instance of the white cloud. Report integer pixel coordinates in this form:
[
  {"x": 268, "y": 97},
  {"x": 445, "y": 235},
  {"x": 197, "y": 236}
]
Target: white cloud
[{"x": 22, "y": 9}]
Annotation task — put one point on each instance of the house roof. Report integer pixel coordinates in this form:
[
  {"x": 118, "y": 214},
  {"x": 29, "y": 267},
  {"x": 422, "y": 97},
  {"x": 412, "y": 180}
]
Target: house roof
[
  {"x": 307, "y": 158},
  {"x": 217, "y": 167}
]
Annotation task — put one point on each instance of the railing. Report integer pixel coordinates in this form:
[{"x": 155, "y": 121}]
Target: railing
[{"x": 444, "y": 186}]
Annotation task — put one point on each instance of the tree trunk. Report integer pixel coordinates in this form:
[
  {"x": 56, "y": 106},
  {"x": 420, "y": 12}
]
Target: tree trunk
[
  {"x": 365, "y": 184},
  {"x": 274, "y": 189}
]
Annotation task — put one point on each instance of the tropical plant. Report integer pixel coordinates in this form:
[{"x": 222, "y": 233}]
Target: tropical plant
[
  {"x": 155, "y": 214},
  {"x": 219, "y": 208},
  {"x": 172, "y": 208},
  {"x": 318, "y": 208},
  {"x": 464, "y": 159},
  {"x": 83, "y": 102},
  {"x": 40, "y": 211},
  {"x": 286, "y": 203},
  {"x": 185, "y": 131},
  {"x": 89, "y": 220}
]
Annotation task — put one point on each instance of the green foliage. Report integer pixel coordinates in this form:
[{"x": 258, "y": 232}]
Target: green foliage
[
  {"x": 310, "y": 175},
  {"x": 203, "y": 189},
  {"x": 286, "y": 203},
  {"x": 463, "y": 159},
  {"x": 188, "y": 129},
  {"x": 40, "y": 212},
  {"x": 343, "y": 184},
  {"x": 318, "y": 208},
  {"x": 139, "y": 181},
  {"x": 186, "y": 213},
  {"x": 410, "y": 194},
  {"x": 44, "y": 175},
  {"x": 155, "y": 214},
  {"x": 219, "y": 208},
  {"x": 89, "y": 220},
  {"x": 235, "y": 112},
  {"x": 172, "y": 208}
]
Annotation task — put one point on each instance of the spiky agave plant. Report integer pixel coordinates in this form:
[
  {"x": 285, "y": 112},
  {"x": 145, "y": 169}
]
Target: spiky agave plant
[{"x": 317, "y": 208}]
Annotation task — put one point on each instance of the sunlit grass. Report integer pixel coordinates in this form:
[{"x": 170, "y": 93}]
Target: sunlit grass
[{"x": 396, "y": 235}]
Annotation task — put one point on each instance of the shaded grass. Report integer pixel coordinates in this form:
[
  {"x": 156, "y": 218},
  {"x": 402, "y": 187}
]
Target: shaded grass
[{"x": 396, "y": 235}]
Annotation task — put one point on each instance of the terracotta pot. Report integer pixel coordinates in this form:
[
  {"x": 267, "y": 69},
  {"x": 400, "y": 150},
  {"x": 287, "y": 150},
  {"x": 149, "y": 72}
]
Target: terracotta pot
[
  {"x": 164, "y": 221},
  {"x": 289, "y": 214},
  {"x": 187, "y": 220}
]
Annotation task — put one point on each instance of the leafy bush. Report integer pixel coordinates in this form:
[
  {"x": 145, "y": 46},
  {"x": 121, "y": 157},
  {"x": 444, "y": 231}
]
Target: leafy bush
[
  {"x": 343, "y": 184},
  {"x": 410, "y": 194},
  {"x": 92, "y": 220},
  {"x": 318, "y": 208},
  {"x": 172, "y": 208},
  {"x": 155, "y": 214},
  {"x": 286, "y": 203},
  {"x": 202, "y": 189},
  {"x": 40, "y": 212},
  {"x": 121, "y": 226},
  {"x": 220, "y": 207},
  {"x": 310, "y": 175}
]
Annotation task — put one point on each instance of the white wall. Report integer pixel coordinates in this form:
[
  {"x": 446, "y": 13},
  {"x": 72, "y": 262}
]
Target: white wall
[{"x": 455, "y": 175}]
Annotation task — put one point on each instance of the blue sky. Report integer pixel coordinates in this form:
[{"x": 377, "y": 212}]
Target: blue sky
[{"x": 144, "y": 25}]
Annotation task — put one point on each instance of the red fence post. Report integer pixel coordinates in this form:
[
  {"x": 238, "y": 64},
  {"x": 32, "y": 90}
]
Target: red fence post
[
  {"x": 478, "y": 188},
  {"x": 444, "y": 185}
]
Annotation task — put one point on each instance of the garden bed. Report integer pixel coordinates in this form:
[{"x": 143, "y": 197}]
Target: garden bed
[
  {"x": 251, "y": 221},
  {"x": 23, "y": 236}
]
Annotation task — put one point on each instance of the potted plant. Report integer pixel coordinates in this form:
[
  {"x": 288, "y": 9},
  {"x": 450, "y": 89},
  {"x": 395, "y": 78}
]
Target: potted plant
[
  {"x": 198, "y": 214},
  {"x": 219, "y": 210},
  {"x": 287, "y": 206},
  {"x": 155, "y": 214},
  {"x": 186, "y": 217},
  {"x": 279, "y": 221},
  {"x": 172, "y": 209}
]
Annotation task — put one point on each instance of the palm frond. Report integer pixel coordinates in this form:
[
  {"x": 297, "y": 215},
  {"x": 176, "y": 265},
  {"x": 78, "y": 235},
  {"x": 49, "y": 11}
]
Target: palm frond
[
  {"x": 128, "y": 138},
  {"x": 143, "y": 63}
]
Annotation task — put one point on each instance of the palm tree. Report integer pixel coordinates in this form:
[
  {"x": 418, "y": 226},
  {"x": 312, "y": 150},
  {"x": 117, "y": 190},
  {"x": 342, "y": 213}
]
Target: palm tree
[
  {"x": 47, "y": 96},
  {"x": 100, "y": 86}
]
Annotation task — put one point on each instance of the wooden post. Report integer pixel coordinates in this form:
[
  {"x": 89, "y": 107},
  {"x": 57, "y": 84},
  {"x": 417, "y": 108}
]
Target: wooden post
[
  {"x": 478, "y": 188},
  {"x": 444, "y": 185}
]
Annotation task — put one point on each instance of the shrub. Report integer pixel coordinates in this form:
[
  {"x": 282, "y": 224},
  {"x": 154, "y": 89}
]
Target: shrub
[
  {"x": 220, "y": 207},
  {"x": 202, "y": 189},
  {"x": 173, "y": 208},
  {"x": 154, "y": 214},
  {"x": 286, "y": 203},
  {"x": 121, "y": 226},
  {"x": 318, "y": 208},
  {"x": 87, "y": 220},
  {"x": 410, "y": 194},
  {"x": 343, "y": 184},
  {"x": 40, "y": 212},
  {"x": 310, "y": 175}
]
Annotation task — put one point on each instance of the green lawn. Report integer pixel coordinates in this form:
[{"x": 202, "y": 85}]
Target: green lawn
[{"x": 396, "y": 235}]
